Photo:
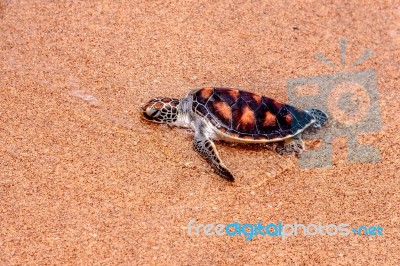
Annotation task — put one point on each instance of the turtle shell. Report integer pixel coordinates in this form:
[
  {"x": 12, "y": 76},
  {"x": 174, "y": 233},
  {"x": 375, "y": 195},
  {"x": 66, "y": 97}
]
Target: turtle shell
[{"x": 246, "y": 115}]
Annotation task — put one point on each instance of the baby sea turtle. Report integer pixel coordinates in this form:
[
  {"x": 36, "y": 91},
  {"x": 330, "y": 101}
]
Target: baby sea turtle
[{"x": 235, "y": 116}]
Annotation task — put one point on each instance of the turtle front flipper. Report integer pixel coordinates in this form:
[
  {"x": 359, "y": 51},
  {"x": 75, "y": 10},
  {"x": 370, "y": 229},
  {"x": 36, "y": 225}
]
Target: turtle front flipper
[{"x": 208, "y": 151}]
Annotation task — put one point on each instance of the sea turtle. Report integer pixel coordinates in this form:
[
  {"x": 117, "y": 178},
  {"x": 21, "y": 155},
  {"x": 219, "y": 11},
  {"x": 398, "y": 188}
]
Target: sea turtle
[{"x": 235, "y": 116}]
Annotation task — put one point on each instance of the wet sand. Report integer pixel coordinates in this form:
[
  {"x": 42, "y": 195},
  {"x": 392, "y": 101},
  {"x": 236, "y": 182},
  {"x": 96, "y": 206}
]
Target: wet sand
[{"x": 84, "y": 180}]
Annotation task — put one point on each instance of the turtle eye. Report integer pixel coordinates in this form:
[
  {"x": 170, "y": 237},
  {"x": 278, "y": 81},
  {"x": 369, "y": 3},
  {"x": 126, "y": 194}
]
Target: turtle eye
[{"x": 152, "y": 112}]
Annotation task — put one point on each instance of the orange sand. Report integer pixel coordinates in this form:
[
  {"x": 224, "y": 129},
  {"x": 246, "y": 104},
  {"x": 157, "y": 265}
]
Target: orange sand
[{"x": 84, "y": 180}]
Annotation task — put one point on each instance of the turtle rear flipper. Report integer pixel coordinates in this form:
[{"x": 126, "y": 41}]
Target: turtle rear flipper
[
  {"x": 293, "y": 145},
  {"x": 319, "y": 116}
]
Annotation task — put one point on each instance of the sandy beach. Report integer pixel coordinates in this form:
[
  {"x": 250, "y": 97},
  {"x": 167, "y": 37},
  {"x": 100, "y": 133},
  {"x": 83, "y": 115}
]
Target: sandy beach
[{"x": 84, "y": 180}]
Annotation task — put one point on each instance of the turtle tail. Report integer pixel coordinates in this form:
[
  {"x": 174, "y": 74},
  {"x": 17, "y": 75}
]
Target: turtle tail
[{"x": 319, "y": 116}]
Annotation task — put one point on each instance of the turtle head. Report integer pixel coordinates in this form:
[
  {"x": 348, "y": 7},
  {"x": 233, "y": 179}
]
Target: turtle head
[{"x": 161, "y": 110}]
